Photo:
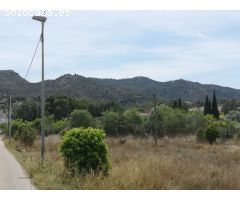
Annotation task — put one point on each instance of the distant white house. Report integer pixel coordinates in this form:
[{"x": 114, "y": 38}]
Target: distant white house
[
  {"x": 3, "y": 117},
  {"x": 201, "y": 109}
]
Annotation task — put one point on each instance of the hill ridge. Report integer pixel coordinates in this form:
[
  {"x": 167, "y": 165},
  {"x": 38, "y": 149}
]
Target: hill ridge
[{"x": 127, "y": 90}]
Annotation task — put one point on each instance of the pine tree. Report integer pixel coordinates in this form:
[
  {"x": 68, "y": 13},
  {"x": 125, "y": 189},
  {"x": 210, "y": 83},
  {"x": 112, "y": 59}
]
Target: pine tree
[
  {"x": 206, "y": 106},
  {"x": 179, "y": 103},
  {"x": 215, "y": 111}
]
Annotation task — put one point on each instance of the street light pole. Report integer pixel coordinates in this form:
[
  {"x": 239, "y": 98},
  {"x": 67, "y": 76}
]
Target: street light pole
[
  {"x": 10, "y": 118},
  {"x": 42, "y": 99},
  {"x": 155, "y": 119},
  {"x": 42, "y": 19}
]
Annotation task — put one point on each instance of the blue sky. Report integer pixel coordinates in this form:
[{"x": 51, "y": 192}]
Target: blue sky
[{"x": 201, "y": 46}]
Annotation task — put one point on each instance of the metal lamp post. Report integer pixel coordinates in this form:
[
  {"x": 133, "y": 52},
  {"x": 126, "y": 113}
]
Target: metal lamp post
[{"x": 42, "y": 19}]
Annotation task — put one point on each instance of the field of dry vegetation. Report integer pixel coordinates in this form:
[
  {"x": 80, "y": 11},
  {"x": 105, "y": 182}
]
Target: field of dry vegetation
[{"x": 178, "y": 163}]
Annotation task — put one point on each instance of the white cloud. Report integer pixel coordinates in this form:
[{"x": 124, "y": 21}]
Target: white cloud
[{"x": 194, "y": 43}]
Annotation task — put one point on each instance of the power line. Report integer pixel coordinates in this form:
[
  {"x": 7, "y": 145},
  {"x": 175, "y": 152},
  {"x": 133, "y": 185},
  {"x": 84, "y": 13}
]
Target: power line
[
  {"x": 30, "y": 65},
  {"x": 35, "y": 52}
]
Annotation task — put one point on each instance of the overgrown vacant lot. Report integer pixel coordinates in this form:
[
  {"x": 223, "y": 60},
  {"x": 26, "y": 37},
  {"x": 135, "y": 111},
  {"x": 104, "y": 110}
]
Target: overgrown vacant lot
[{"x": 178, "y": 163}]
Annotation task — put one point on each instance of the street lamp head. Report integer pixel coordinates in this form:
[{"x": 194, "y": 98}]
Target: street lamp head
[{"x": 39, "y": 18}]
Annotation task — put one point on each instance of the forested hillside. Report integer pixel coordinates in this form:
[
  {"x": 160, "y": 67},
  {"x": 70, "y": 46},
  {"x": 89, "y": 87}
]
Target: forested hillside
[{"x": 125, "y": 91}]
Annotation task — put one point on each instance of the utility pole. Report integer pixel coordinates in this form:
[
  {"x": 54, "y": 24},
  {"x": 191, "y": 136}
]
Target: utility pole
[
  {"x": 42, "y": 19},
  {"x": 7, "y": 115},
  {"x": 155, "y": 119},
  {"x": 37, "y": 108},
  {"x": 10, "y": 118}
]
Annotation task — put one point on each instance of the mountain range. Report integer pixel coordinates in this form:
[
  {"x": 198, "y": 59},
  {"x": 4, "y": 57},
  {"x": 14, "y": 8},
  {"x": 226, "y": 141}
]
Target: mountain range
[{"x": 126, "y": 91}]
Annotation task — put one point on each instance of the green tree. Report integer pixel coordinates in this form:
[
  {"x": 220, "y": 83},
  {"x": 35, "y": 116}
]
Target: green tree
[
  {"x": 111, "y": 122},
  {"x": 175, "y": 104},
  {"x": 80, "y": 118},
  {"x": 155, "y": 124},
  {"x": 61, "y": 108},
  {"x": 209, "y": 111},
  {"x": 211, "y": 134},
  {"x": 215, "y": 111},
  {"x": 206, "y": 106},
  {"x": 179, "y": 103},
  {"x": 230, "y": 105},
  {"x": 133, "y": 122},
  {"x": 24, "y": 132},
  {"x": 26, "y": 110}
]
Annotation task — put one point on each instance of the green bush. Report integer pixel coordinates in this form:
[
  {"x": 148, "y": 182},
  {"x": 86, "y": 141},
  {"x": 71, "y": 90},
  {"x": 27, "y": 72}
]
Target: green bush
[
  {"x": 15, "y": 126},
  {"x": 24, "y": 132},
  {"x": 201, "y": 136},
  {"x": 130, "y": 122},
  {"x": 26, "y": 110},
  {"x": 233, "y": 115},
  {"x": 80, "y": 118},
  {"x": 4, "y": 128},
  {"x": 51, "y": 126},
  {"x": 211, "y": 134},
  {"x": 84, "y": 151},
  {"x": 211, "y": 130},
  {"x": 172, "y": 122},
  {"x": 111, "y": 122},
  {"x": 193, "y": 122},
  {"x": 36, "y": 124},
  {"x": 59, "y": 126},
  {"x": 133, "y": 122},
  {"x": 98, "y": 123},
  {"x": 155, "y": 125}
]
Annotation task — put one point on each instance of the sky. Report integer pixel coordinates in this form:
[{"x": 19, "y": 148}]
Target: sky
[{"x": 200, "y": 46}]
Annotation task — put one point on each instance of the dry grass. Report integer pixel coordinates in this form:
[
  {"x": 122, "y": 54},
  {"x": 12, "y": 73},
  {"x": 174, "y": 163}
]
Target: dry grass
[{"x": 178, "y": 163}]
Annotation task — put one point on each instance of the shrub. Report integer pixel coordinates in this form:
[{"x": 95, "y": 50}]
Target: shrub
[
  {"x": 84, "y": 151},
  {"x": 171, "y": 121},
  {"x": 36, "y": 124},
  {"x": 80, "y": 118},
  {"x": 51, "y": 126},
  {"x": 211, "y": 134},
  {"x": 174, "y": 121},
  {"x": 24, "y": 133},
  {"x": 111, "y": 122},
  {"x": 59, "y": 126},
  {"x": 98, "y": 123},
  {"x": 233, "y": 116},
  {"x": 193, "y": 122},
  {"x": 15, "y": 126},
  {"x": 201, "y": 136},
  {"x": 210, "y": 130},
  {"x": 133, "y": 122},
  {"x": 228, "y": 129},
  {"x": 129, "y": 122},
  {"x": 155, "y": 124},
  {"x": 26, "y": 110},
  {"x": 49, "y": 121},
  {"x": 4, "y": 128}
]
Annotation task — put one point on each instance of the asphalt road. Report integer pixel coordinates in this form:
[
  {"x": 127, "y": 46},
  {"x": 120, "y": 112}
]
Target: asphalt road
[{"x": 12, "y": 176}]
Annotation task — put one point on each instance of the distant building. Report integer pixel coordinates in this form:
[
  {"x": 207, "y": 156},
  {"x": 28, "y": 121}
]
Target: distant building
[{"x": 3, "y": 117}]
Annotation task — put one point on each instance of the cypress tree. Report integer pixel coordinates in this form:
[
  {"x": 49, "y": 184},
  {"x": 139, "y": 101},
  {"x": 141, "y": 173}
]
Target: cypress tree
[
  {"x": 179, "y": 103},
  {"x": 215, "y": 111},
  {"x": 175, "y": 104},
  {"x": 206, "y": 106},
  {"x": 209, "y": 107}
]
